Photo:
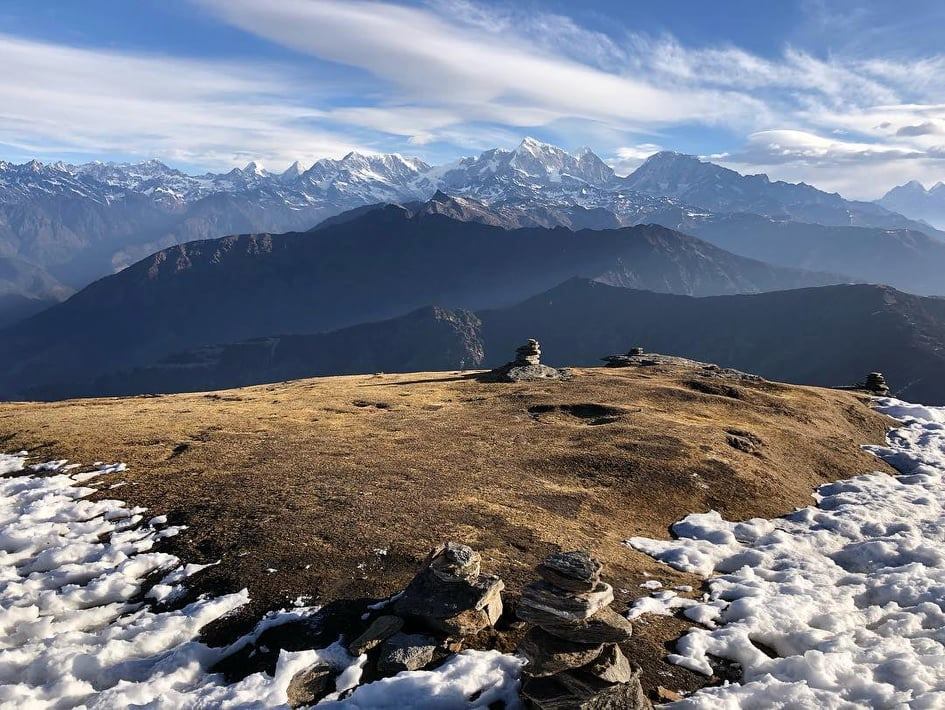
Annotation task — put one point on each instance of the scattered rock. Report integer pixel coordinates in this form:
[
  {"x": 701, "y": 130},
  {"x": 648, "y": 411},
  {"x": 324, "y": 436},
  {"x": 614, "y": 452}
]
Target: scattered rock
[
  {"x": 309, "y": 686},
  {"x": 574, "y": 690},
  {"x": 575, "y": 571},
  {"x": 741, "y": 443},
  {"x": 381, "y": 629},
  {"x": 669, "y": 695},
  {"x": 406, "y": 652}
]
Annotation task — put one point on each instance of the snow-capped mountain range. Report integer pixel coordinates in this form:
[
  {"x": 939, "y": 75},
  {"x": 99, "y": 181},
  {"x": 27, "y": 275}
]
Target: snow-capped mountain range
[{"x": 80, "y": 222}]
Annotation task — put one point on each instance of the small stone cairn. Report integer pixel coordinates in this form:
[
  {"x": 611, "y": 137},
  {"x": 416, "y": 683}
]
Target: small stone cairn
[
  {"x": 634, "y": 356},
  {"x": 876, "y": 383},
  {"x": 526, "y": 366},
  {"x": 449, "y": 599},
  {"x": 572, "y": 648}
]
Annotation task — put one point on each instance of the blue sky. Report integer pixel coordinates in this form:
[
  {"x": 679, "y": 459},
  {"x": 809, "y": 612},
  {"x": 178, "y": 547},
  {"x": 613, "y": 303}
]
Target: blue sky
[{"x": 849, "y": 96}]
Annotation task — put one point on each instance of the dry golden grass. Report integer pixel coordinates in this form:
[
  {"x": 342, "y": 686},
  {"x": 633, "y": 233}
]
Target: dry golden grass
[{"x": 312, "y": 478}]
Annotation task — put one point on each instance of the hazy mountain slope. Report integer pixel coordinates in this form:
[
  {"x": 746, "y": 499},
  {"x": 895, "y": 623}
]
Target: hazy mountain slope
[
  {"x": 692, "y": 181},
  {"x": 906, "y": 259},
  {"x": 385, "y": 263},
  {"x": 26, "y": 289},
  {"x": 913, "y": 200},
  {"x": 830, "y": 336}
]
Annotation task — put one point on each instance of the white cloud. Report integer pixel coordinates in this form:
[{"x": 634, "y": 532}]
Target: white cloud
[
  {"x": 630, "y": 157},
  {"x": 60, "y": 99},
  {"x": 496, "y": 75}
]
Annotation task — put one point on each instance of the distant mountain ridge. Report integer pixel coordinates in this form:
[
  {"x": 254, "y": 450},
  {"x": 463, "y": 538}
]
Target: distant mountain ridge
[
  {"x": 713, "y": 187},
  {"x": 913, "y": 200},
  {"x": 831, "y": 335},
  {"x": 377, "y": 265},
  {"x": 80, "y": 222}
]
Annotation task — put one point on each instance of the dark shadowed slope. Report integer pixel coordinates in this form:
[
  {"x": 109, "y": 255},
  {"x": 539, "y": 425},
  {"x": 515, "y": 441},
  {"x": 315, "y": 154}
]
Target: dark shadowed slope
[
  {"x": 381, "y": 265},
  {"x": 828, "y": 336}
]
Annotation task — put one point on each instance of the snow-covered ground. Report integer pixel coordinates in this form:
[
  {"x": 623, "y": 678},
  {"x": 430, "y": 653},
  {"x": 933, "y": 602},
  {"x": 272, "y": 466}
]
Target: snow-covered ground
[
  {"x": 839, "y": 605},
  {"x": 79, "y": 626}
]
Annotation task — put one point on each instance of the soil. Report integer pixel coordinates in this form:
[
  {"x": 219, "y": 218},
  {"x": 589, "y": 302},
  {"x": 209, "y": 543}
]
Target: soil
[{"x": 343, "y": 484}]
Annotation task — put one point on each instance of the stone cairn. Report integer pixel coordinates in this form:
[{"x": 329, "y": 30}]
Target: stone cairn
[
  {"x": 634, "y": 356},
  {"x": 526, "y": 366},
  {"x": 876, "y": 383},
  {"x": 449, "y": 599},
  {"x": 572, "y": 648}
]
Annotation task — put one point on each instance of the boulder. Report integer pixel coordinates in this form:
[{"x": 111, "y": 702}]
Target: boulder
[
  {"x": 381, "y": 629},
  {"x": 542, "y": 601},
  {"x": 547, "y": 654},
  {"x": 309, "y": 686},
  {"x": 606, "y": 626},
  {"x": 575, "y": 571},
  {"x": 406, "y": 652}
]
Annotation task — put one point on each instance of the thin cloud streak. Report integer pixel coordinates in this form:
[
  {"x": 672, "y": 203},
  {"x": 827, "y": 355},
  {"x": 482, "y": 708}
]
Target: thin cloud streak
[{"x": 94, "y": 101}]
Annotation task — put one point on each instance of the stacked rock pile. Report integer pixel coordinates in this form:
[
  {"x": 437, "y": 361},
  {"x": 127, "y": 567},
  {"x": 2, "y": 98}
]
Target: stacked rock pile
[
  {"x": 876, "y": 383},
  {"x": 526, "y": 366},
  {"x": 449, "y": 599},
  {"x": 529, "y": 353},
  {"x": 572, "y": 649}
]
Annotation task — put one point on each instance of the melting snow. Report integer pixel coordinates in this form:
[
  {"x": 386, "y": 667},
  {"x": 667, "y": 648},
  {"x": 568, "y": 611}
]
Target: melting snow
[
  {"x": 75, "y": 628},
  {"x": 847, "y": 597}
]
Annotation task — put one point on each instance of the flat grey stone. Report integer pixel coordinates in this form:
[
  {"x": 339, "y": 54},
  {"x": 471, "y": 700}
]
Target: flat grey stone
[
  {"x": 575, "y": 571},
  {"x": 606, "y": 626},
  {"x": 453, "y": 606},
  {"x": 381, "y": 629},
  {"x": 405, "y": 652},
  {"x": 540, "y": 599},
  {"x": 547, "y": 654}
]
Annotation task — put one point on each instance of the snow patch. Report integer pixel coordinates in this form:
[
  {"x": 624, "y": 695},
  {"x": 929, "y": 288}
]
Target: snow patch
[{"x": 838, "y": 605}]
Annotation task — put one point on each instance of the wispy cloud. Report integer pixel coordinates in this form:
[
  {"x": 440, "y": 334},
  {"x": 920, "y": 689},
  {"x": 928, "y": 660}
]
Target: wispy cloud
[
  {"x": 60, "y": 99},
  {"x": 472, "y": 72}
]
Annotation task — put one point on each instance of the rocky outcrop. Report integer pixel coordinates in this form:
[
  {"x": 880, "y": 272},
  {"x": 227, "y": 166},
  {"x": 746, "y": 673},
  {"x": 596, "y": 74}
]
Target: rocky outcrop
[
  {"x": 572, "y": 648},
  {"x": 526, "y": 367},
  {"x": 449, "y": 600}
]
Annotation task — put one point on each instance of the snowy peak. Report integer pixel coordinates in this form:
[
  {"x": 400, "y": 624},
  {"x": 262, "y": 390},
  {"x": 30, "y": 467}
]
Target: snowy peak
[
  {"x": 913, "y": 200},
  {"x": 293, "y": 172}
]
